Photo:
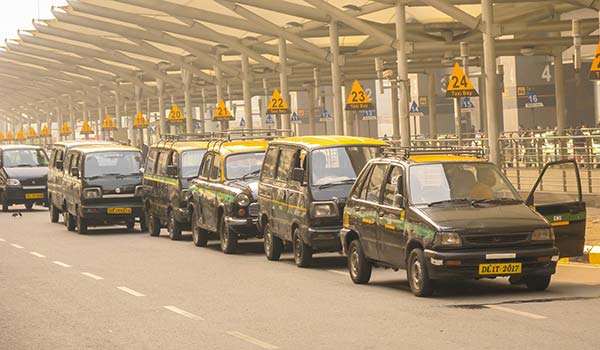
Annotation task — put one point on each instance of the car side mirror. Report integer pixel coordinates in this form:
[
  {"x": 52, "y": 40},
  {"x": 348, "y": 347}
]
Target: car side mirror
[
  {"x": 59, "y": 165},
  {"x": 75, "y": 172},
  {"x": 171, "y": 170},
  {"x": 399, "y": 201},
  {"x": 298, "y": 175}
]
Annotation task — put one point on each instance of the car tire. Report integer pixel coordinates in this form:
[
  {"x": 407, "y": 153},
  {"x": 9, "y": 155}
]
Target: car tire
[
  {"x": 70, "y": 221},
  {"x": 302, "y": 252},
  {"x": 359, "y": 267},
  {"x": 54, "y": 213},
  {"x": 229, "y": 239},
  {"x": 418, "y": 277},
  {"x": 4, "y": 200},
  {"x": 82, "y": 227},
  {"x": 173, "y": 227},
  {"x": 272, "y": 244},
  {"x": 153, "y": 224},
  {"x": 29, "y": 205},
  {"x": 537, "y": 283},
  {"x": 199, "y": 235}
]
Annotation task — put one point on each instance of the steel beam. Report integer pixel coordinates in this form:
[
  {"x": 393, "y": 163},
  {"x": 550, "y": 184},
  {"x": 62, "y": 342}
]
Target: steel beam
[{"x": 491, "y": 80}]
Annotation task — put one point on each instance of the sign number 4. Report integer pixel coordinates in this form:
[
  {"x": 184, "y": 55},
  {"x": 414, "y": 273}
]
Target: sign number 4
[{"x": 546, "y": 73}]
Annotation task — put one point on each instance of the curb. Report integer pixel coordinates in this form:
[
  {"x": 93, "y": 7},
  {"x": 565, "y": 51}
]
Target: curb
[{"x": 591, "y": 255}]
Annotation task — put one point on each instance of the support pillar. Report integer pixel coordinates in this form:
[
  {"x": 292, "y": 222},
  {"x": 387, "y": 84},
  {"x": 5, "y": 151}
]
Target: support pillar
[
  {"x": 101, "y": 133},
  {"x": 224, "y": 125},
  {"x": 86, "y": 117},
  {"x": 336, "y": 79},
  {"x": 310, "y": 109},
  {"x": 202, "y": 115},
  {"x": 118, "y": 120},
  {"x": 246, "y": 92},
  {"x": 162, "y": 118},
  {"x": 431, "y": 96},
  {"x": 559, "y": 88},
  {"x": 148, "y": 133},
  {"x": 404, "y": 83},
  {"x": 72, "y": 118},
  {"x": 395, "y": 111},
  {"x": 59, "y": 121},
  {"x": 187, "y": 76},
  {"x": 138, "y": 137},
  {"x": 491, "y": 80},
  {"x": 283, "y": 81}
]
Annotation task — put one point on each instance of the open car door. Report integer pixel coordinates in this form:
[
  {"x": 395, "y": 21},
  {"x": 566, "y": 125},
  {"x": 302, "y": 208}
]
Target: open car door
[{"x": 557, "y": 196}]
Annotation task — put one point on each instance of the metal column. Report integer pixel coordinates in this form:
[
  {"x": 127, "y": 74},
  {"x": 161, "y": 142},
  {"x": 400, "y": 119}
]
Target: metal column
[
  {"x": 118, "y": 120},
  {"x": 395, "y": 111},
  {"x": 404, "y": 83},
  {"x": 310, "y": 108},
  {"x": 224, "y": 125},
  {"x": 138, "y": 141},
  {"x": 187, "y": 76},
  {"x": 431, "y": 96},
  {"x": 86, "y": 117},
  {"x": 336, "y": 79},
  {"x": 283, "y": 81},
  {"x": 100, "y": 134},
  {"x": 246, "y": 91},
  {"x": 59, "y": 121},
  {"x": 491, "y": 79},
  {"x": 72, "y": 118},
  {"x": 162, "y": 119},
  {"x": 559, "y": 86},
  {"x": 202, "y": 115}
]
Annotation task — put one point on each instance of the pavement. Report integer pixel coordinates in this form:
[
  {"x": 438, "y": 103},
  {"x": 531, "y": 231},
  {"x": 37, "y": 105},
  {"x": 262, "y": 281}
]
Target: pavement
[{"x": 115, "y": 290}]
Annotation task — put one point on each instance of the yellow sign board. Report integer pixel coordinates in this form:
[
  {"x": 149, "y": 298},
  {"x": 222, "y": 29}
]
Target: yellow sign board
[
  {"x": 459, "y": 84},
  {"x": 45, "y": 131},
  {"x": 109, "y": 123},
  {"x": 20, "y": 135},
  {"x": 595, "y": 68},
  {"x": 1, "y": 136},
  {"x": 175, "y": 116},
  {"x": 358, "y": 100},
  {"x": 86, "y": 129},
  {"x": 32, "y": 134},
  {"x": 65, "y": 130},
  {"x": 140, "y": 121},
  {"x": 222, "y": 113},
  {"x": 277, "y": 105},
  {"x": 10, "y": 135}
]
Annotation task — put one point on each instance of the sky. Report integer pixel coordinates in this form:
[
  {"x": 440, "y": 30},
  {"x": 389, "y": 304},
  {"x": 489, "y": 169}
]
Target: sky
[{"x": 17, "y": 14}]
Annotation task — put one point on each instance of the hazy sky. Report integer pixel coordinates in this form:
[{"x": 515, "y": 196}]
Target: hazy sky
[{"x": 17, "y": 14}]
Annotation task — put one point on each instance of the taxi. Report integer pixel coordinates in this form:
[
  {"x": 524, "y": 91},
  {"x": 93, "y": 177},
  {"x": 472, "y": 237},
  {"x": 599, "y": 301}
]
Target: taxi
[
  {"x": 223, "y": 197},
  {"x": 170, "y": 167},
  {"x": 103, "y": 186},
  {"x": 23, "y": 176},
  {"x": 302, "y": 191},
  {"x": 448, "y": 214}
]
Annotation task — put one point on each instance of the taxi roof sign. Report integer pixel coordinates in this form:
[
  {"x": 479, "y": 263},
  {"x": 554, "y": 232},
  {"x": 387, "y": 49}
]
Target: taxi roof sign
[
  {"x": 222, "y": 113},
  {"x": 358, "y": 100},
  {"x": 140, "y": 121},
  {"x": 20, "y": 135},
  {"x": 32, "y": 134},
  {"x": 109, "y": 123},
  {"x": 65, "y": 130},
  {"x": 86, "y": 129},
  {"x": 277, "y": 104},
  {"x": 595, "y": 67},
  {"x": 45, "y": 131},
  {"x": 459, "y": 84},
  {"x": 175, "y": 116}
]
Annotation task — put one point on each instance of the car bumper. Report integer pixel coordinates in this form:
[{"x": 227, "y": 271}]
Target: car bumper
[
  {"x": 182, "y": 215},
  {"x": 20, "y": 195},
  {"x": 443, "y": 264},
  {"x": 324, "y": 239},
  {"x": 244, "y": 227},
  {"x": 104, "y": 213}
]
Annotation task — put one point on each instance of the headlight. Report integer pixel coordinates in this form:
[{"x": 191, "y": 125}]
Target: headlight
[
  {"x": 242, "y": 199},
  {"x": 92, "y": 193},
  {"x": 13, "y": 182},
  {"x": 324, "y": 209},
  {"x": 542, "y": 234},
  {"x": 447, "y": 239}
]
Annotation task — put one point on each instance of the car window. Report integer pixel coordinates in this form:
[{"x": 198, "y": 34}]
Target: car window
[
  {"x": 113, "y": 163},
  {"x": 53, "y": 158},
  {"x": 163, "y": 162},
  {"x": 206, "y": 165},
  {"x": 391, "y": 185},
  {"x": 151, "y": 162},
  {"x": 268, "y": 168},
  {"x": 284, "y": 167},
  {"x": 361, "y": 190},
  {"x": 67, "y": 163},
  {"x": 190, "y": 163},
  {"x": 24, "y": 158},
  {"x": 243, "y": 165},
  {"x": 215, "y": 170},
  {"x": 375, "y": 183}
]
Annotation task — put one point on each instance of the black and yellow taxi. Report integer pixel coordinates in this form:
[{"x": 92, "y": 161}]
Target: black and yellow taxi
[
  {"x": 171, "y": 165},
  {"x": 56, "y": 199},
  {"x": 449, "y": 214},
  {"x": 223, "y": 197},
  {"x": 23, "y": 176},
  {"x": 103, "y": 186},
  {"x": 303, "y": 188}
]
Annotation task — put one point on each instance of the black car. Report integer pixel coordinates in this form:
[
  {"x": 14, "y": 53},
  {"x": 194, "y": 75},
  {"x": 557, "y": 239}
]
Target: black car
[
  {"x": 103, "y": 186},
  {"x": 442, "y": 216},
  {"x": 23, "y": 176}
]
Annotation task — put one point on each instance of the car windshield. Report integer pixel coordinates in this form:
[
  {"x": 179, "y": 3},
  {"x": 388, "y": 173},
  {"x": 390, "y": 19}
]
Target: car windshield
[
  {"x": 243, "y": 165},
  {"x": 459, "y": 183},
  {"x": 190, "y": 163},
  {"x": 24, "y": 158},
  {"x": 339, "y": 165},
  {"x": 112, "y": 164}
]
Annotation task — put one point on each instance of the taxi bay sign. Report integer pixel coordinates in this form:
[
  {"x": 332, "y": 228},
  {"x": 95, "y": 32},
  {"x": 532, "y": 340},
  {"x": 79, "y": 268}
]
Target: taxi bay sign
[
  {"x": 109, "y": 123},
  {"x": 65, "y": 130},
  {"x": 595, "y": 68},
  {"x": 175, "y": 116},
  {"x": 358, "y": 100},
  {"x": 86, "y": 129},
  {"x": 459, "y": 84},
  {"x": 222, "y": 113},
  {"x": 277, "y": 104},
  {"x": 140, "y": 121}
]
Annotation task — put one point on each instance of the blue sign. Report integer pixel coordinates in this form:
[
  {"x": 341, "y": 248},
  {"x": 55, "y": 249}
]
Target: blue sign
[
  {"x": 242, "y": 123},
  {"x": 294, "y": 119},
  {"x": 369, "y": 114},
  {"x": 414, "y": 109},
  {"x": 270, "y": 120},
  {"x": 467, "y": 105},
  {"x": 197, "y": 125},
  {"x": 532, "y": 100},
  {"x": 324, "y": 116}
]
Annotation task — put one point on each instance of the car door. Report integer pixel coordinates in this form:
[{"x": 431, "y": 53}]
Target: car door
[
  {"x": 200, "y": 197},
  {"x": 281, "y": 192},
  {"x": 161, "y": 189},
  {"x": 367, "y": 206},
  {"x": 558, "y": 197},
  {"x": 392, "y": 240},
  {"x": 213, "y": 187},
  {"x": 265, "y": 185},
  {"x": 149, "y": 184}
]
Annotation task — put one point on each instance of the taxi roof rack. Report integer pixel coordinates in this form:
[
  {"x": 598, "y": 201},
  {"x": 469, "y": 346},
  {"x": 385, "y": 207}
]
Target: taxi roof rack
[
  {"x": 407, "y": 152},
  {"x": 221, "y": 137},
  {"x": 173, "y": 138}
]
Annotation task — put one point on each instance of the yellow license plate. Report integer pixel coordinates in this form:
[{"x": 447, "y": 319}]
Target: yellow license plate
[
  {"x": 34, "y": 195},
  {"x": 499, "y": 269},
  {"x": 119, "y": 210}
]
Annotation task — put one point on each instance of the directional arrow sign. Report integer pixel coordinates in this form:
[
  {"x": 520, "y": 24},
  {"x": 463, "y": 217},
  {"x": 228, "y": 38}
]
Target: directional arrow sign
[
  {"x": 325, "y": 116},
  {"x": 277, "y": 105},
  {"x": 222, "y": 113},
  {"x": 459, "y": 84},
  {"x": 86, "y": 129},
  {"x": 358, "y": 100},
  {"x": 269, "y": 120},
  {"x": 467, "y": 105},
  {"x": 533, "y": 100},
  {"x": 369, "y": 114},
  {"x": 140, "y": 121},
  {"x": 414, "y": 109},
  {"x": 242, "y": 123},
  {"x": 295, "y": 119}
]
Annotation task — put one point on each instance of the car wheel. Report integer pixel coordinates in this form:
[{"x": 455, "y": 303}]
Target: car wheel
[
  {"x": 153, "y": 224},
  {"x": 537, "y": 283},
  {"x": 302, "y": 251},
  {"x": 5, "y": 204},
  {"x": 70, "y": 221},
  {"x": 272, "y": 244},
  {"x": 418, "y": 277},
  {"x": 229, "y": 239},
  {"x": 143, "y": 223},
  {"x": 82, "y": 227},
  {"x": 54, "y": 214},
  {"x": 360, "y": 268},
  {"x": 29, "y": 205},
  {"x": 199, "y": 235},
  {"x": 173, "y": 227}
]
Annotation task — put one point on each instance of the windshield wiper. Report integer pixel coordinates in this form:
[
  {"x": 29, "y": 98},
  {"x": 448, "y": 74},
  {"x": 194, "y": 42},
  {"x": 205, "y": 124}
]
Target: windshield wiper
[
  {"x": 26, "y": 165},
  {"x": 252, "y": 173},
  {"x": 451, "y": 201},
  {"x": 120, "y": 176},
  {"x": 338, "y": 182},
  {"x": 501, "y": 200},
  {"x": 101, "y": 175}
]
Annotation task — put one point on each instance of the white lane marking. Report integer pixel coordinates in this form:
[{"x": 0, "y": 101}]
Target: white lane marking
[
  {"x": 183, "y": 313},
  {"x": 2, "y": 240},
  {"x": 16, "y": 246},
  {"x": 516, "y": 312},
  {"x": 61, "y": 264},
  {"x": 252, "y": 340},
  {"x": 37, "y": 254},
  {"x": 339, "y": 272},
  {"x": 91, "y": 275},
  {"x": 131, "y": 291}
]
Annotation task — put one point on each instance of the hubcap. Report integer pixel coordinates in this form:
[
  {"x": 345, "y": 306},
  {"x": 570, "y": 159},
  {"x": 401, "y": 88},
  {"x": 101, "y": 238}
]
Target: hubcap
[
  {"x": 417, "y": 273},
  {"x": 298, "y": 248},
  {"x": 354, "y": 263},
  {"x": 268, "y": 242}
]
